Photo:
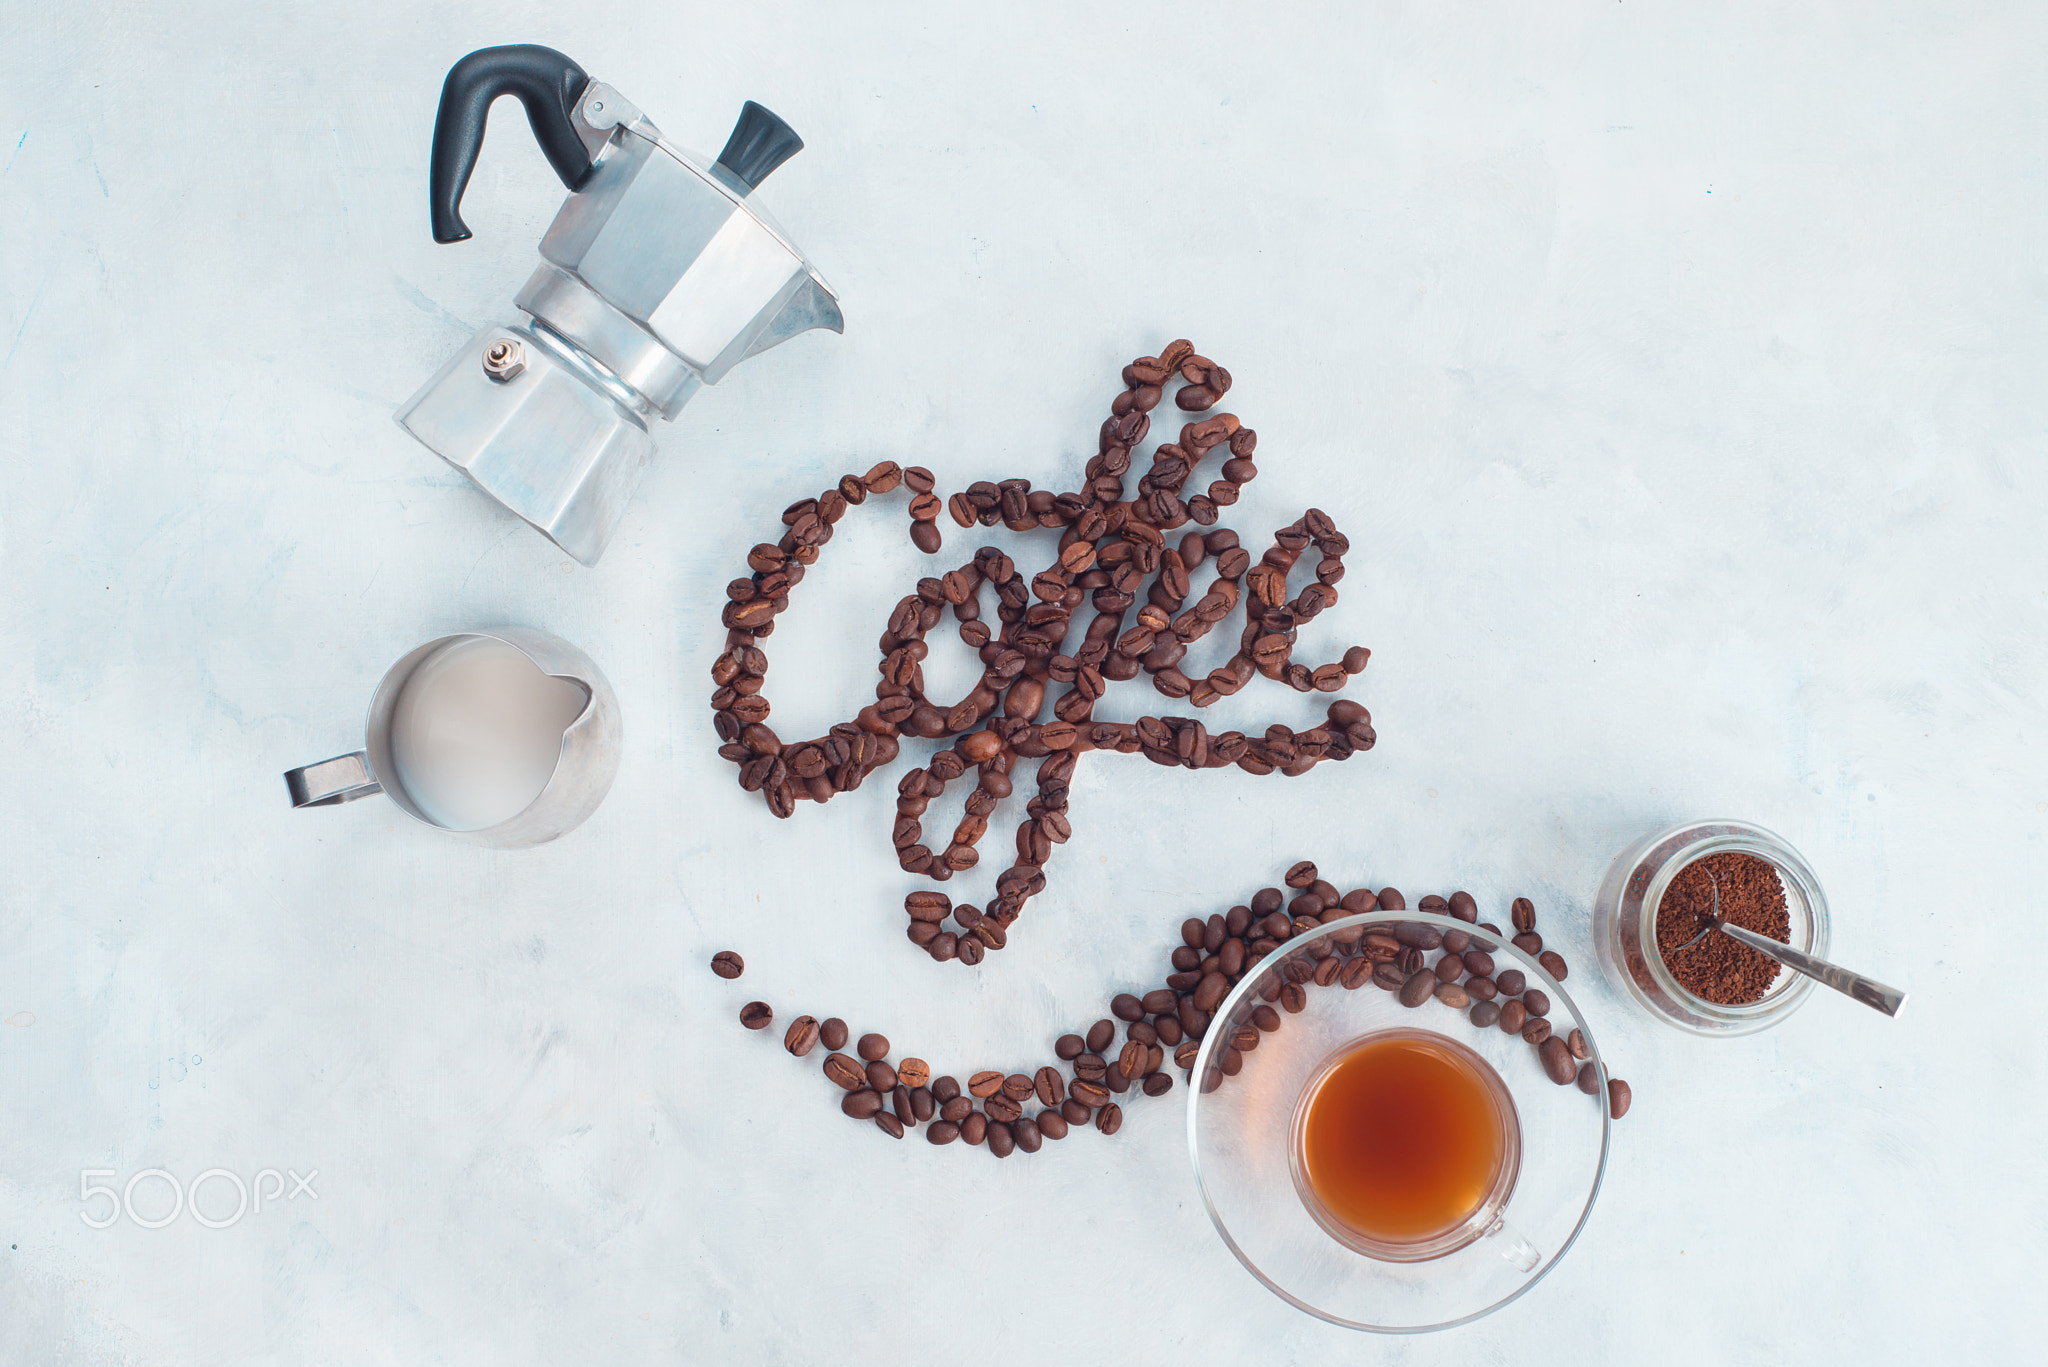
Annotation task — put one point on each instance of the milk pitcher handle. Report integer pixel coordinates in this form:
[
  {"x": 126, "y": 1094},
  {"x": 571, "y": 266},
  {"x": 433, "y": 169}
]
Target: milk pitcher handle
[{"x": 341, "y": 779}]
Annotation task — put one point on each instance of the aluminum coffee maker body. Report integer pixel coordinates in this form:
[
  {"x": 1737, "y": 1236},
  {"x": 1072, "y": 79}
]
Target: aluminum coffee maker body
[{"x": 659, "y": 274}]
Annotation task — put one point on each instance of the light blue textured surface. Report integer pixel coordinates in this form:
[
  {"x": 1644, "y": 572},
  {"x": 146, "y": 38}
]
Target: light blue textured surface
[{"x": 1676, "y": 378}]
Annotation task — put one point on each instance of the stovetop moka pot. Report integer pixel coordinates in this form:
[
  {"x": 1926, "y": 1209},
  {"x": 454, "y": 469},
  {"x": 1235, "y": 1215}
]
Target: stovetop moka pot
[{"x": 659, "y": 273}]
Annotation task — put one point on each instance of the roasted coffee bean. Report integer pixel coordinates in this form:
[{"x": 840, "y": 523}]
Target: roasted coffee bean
[
  {"x": 1090, "y": 1067},
  {"x": 1070, "y": 1047},
  {"x": 1002, "y": 1140},
  {"x": 1576, "y": 1042},
  {"x": 1557, "y": 1061},
  {"x": 889, "y": 1124},
  {"x": 1511, "y": 981},
  {"x": 1026, "y": 1131},
  {"x": 1462, "y": 904},
  {"x": 1389, "y": 976},
  {"x": 1449, "y": 969},
  {"x": 727, "y": 964},
  {"x": 873, "y": 1047},
  {"x": 899, "y": 1102},
  {"x": 1017, "y": 1086},
  {"x": 1537, "y": 1001},
  {"x": 1478, "y": 962},
  {"x": 1589, "y": 1078},
  {"x": 914, "y": 1072},
  {"x": 1293, "y": 998},
  {"x": 1456, "y": 942},
  {"x": 1050, "y": 1085},
  {"x": 1554, "y": 964},
  {"x": 985, "y": 1083},
  {"x": 1523, "y": 914},
  {"x": 1535, "y": 1030},
  {"x": 1158, "y": 1084},
  {"x": 1157, "y": 1001},
  {"x": 945, "y": 1087},
  {"x": 1418, "y": 989},
  {"x": 942, "y": 1132},
  {"x": 802, "y": 1036},
  {"x": 1076, "y": 1112},
  {"x": 1482, "y": 988},
  {"x": 1132, "y": 1059},
  {"x": 1453, "y": 996},
  {"x": 1116, "y": 1079},
  {"x": 1409, "y": 960},
  {"x": 1418, "y": 935},
  {"x": 956, "y": 1109},
  {"x": 861, "y": 1104},
  {"x": 1101, "y": 1035},
  {"x": 1529, "y": 942},
  {"x": 974, "y": 1129},
  {"x": 1089, "y": 1094},
  {"x": 1618, "y": 1098},
  {"x": 757, "y": 1015},
  {"x": 1000, "y": 1107},
  {"x": 1052, "y": 1124},
  {"x": 832, "y": 1033},
  {"x": 881, "y": 1076},
  {"x": 1144, "y": 1032},
  {"x": 1126, "y": 1007},
  {"x": 1327, "y": 971},
  {"x": 845, "y": 1072},
  {"x": 1484, "y": 1014},
  {"x": 1110, "y": 1118},
  {"x": 1357, "y": 973},
  {"x": 1513, "y": 1016},
  {"x": 923, "y": 1105}
]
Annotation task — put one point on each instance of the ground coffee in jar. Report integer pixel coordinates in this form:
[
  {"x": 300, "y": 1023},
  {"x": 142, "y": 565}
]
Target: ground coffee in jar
[{"x": 1719, "y": 968}]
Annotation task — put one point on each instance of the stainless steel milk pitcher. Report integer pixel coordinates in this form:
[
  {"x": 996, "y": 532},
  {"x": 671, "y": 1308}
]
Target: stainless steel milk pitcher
[{"x": 659, "y": 273}]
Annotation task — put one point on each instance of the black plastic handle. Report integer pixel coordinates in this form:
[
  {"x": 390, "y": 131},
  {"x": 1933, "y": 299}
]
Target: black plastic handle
[
  {"x": 544, "y": 80},
  {"x": 760, "y": 142}
]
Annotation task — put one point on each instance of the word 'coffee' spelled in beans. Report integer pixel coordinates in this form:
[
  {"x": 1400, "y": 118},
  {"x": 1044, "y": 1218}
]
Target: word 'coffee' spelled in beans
[{"x": 1116, "y": 565}]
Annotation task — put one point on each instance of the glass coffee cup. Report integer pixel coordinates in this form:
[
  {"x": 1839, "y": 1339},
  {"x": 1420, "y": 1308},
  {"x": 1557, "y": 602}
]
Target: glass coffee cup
[{"x": 1244, "y": 1136}]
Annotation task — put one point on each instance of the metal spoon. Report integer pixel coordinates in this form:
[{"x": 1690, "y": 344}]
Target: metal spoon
[{"x": 1869, "y": 991}]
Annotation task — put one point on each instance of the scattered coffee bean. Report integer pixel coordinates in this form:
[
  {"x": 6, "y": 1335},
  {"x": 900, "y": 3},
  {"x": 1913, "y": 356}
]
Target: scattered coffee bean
[
  {"x": 1052, "y": 1124},
  {"x": 727, "y": 964},
  {"x": 1523, "y": 914},
  {"x": 888, "y": 1124},
  {"x": 1513, "y": 1016},
  {"x": 1484, "y": 1014},
  {"x": 1529, "y": 942},
  {"x": 1618, "y": 1098},
  {"x": 873, "y": 1047},
  {"x": 1110, "y": 1118},
  {"x": 1557, "y": 1061},
  {"x": 974, "y": 1129},
  {"x": 923, "y": 1105},
  {"x": 1158, "y": 1084},
  {"x": 1554, "y": 964},
  {"x": 986, "y": 1083},
  {"x": 802, "y": 1036},
  {"x": 1482, "y": 988},
  {"x": 1002, "y": 1140},
  {"x": 1070, "y": 1047},
  {"x": 1418, "y": 988},
  {"x": 1589, "y": 1078},
  {"x": 1026, "y": 1131},
  {"x": 1537, "y": 1001},
  {"x": 945, "y": 1087},
  {"x": 757, "y": 1015},
  {"x": 1511, "y": 982},
  {"x": 845, "y": 1072},
  {"x": 942, "y": 1132},
  {"x": 1535, "y": 1030},
  {"x": 1576, "y": 1042},
  {"x": 881, "y": 1076},
  {"x": 900, "y": 1103},
  {"x": 1453, "y": 996},
  {"x": 861, "y": 1104},
  {"x": 1101, "y": 1035},
  {"x": 832, "y": 1033},
  {"x": 915, "y": 1072}
]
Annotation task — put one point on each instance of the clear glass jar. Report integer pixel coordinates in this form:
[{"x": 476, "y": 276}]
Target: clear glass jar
[{"x": 1625, "y": 924}]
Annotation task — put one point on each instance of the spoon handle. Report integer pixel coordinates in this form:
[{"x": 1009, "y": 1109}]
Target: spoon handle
[{"x": 1869, "y": 991}]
